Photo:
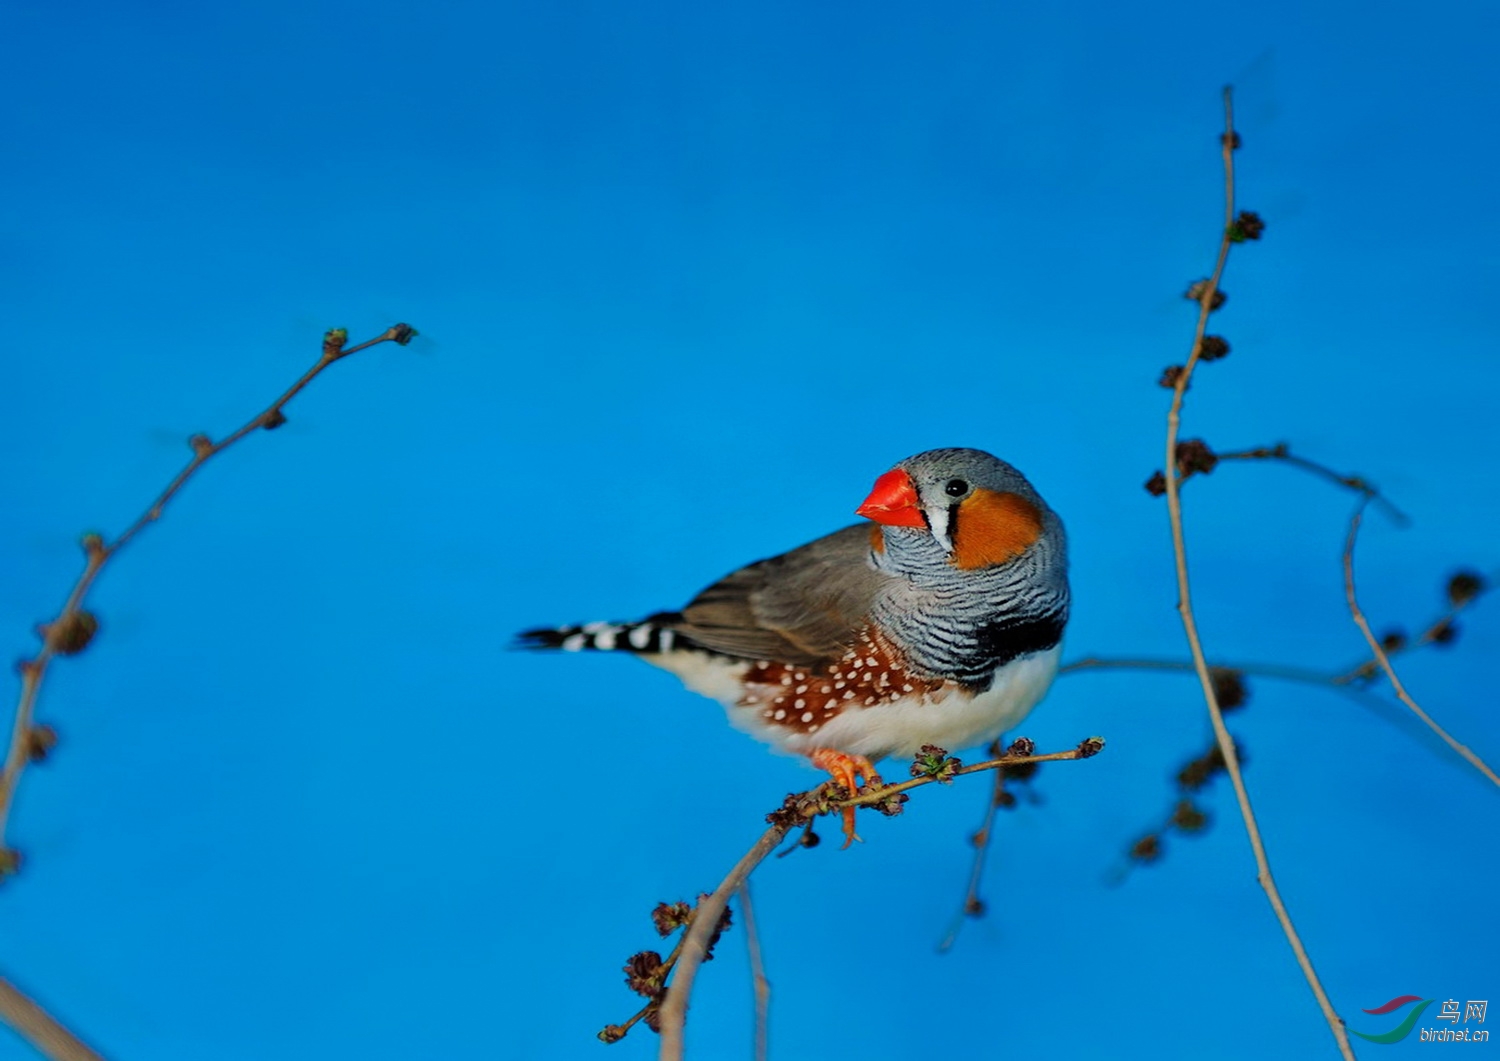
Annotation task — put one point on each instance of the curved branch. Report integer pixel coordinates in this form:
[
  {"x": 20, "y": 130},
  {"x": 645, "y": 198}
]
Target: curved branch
[
  {"x": 798, "y": 809},
  {"x": 1385, "y": 661},
  {"x": 1208, "y": 299},
  {"x": 74, "y": 627}
]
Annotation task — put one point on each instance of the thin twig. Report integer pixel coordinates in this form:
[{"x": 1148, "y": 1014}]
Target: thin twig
[
  {"x": 797, "y": 808},
  {"x": 973, "y": 906},
  {"x": 1207, "y": 300},
  {"x": 1384, "y": 660},
  {"x": 1282, "y": 452},
  {"x": 40, "y": 1028},
  {"x": 695, "y": 941},
  {"x": 74, "y": 626},
  {"x": 758, "y": 981}
]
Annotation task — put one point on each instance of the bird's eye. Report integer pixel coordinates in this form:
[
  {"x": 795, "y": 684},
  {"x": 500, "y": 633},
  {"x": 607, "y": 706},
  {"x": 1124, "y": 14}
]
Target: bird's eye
[{"x": 956, "y": 488}]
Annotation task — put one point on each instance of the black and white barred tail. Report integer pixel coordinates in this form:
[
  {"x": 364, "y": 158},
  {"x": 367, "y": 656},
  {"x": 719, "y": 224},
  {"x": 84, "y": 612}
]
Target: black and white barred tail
[{"x": 649, "y": 636}]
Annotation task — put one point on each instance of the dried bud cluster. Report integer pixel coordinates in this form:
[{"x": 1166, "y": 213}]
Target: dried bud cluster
[
  {"x": 1213, "y": 348},
  {"x": 669, "y": 917},
  {"x": 643, "y": 972},
  {"x": 1202, "y": 770},
  {"x": 1188, "y": 818},
  {"x": 40, "y": 740},
  {"x": 1193, "y": 457},
  {"x": 71, "y": 633},
  {"x": 334, "y": 340},
  {"x": 1199, "y": 290},
  {"x": 1229, "y": 687},
  {"x": 1171, "y": 376},
  {"x": 1463, "y": 587},
  {"x": 936, "y": 763},
  {"x": 1021, "y": 747},
  {"x": 1248, "y": 225}
]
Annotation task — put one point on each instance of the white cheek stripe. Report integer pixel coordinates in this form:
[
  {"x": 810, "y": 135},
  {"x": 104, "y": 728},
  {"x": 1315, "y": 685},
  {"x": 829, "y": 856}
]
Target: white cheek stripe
[{"x": 938, "y": 517}]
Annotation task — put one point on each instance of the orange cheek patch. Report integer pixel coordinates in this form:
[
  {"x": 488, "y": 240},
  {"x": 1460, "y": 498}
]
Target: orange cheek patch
[
  {"x": 877, "y": 538},
  {"x": 991, "y": 528}
]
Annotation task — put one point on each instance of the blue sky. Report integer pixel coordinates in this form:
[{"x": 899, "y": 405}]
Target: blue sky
[{"x": 688, "y": 278}]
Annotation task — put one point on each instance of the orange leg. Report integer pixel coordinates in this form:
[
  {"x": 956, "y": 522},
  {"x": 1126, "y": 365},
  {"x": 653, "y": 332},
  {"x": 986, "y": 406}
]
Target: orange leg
[{"x": 846, "y": 770}]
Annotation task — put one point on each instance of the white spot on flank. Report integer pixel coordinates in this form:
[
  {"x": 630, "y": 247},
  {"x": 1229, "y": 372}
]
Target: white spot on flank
[
  {"x": 836, "y": 685},
  {"x": 807, "y": 716},
  {"x": 667, "y": 638},
  {"x": 574, "y": 643},
  {"x": 906, "y": 688},
  {"x": 800, "y": 704},
  {"x": 812, "y": 729},
  {"x": 871, "y": 661},
  {"x": 640, "y": 637},
  {"x": 786, "y": 679},
  {"x": 802, "y": 688},
  {"x": 830, "y": 705},
  {"x": 780, "y": 715},
  {"x": 848, "y": 694},
  {"x": 605, "y": 639}
]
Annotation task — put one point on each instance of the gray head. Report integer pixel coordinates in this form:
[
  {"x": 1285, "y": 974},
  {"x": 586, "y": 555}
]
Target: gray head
[{"x": 978, "y": 510}]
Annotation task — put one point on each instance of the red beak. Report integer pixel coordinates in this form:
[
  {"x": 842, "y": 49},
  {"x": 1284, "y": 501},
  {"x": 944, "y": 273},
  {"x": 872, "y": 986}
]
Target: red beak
[{"x": 893, "y": 501}]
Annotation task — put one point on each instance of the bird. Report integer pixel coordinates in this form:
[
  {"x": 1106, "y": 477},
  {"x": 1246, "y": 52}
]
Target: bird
[{"x": 938, "y": 622}]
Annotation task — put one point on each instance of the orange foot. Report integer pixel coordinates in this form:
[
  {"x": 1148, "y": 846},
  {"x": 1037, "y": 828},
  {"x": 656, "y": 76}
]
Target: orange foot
[{"x": 846, "y": 769}]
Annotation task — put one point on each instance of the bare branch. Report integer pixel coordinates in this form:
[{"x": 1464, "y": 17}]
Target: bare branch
[
  {"x": 973, "y": 905},
  {"x": 39, "y": 1027},
  {"x": 760, "y": 984},
  {"x": 1210, "y": 298},
  {"x": 1384, "y": 659},
  {"x": 74, "y": 627},
  {"x": 1282, "y": 452},
  {"x": 670, "y": 1008}
]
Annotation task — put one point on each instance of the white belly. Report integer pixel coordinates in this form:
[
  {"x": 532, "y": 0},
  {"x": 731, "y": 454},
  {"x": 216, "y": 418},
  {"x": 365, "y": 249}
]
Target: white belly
[{"x": 949, "y": 718}]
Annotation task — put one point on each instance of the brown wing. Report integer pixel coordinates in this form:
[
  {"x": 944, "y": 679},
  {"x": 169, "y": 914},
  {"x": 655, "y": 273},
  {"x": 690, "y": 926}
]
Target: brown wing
[{"x": 802, "y": 607}]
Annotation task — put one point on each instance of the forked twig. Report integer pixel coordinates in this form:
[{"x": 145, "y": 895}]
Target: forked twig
[
  {"x": 74, "y": 627},
  {"x": 71, "y": 631},
  {"x": 795, "y": 811},
  {"x": 1282, "y": 452},
  {"x": 1208, "y": 299},
  {"x": 1384, "y": 659}
]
